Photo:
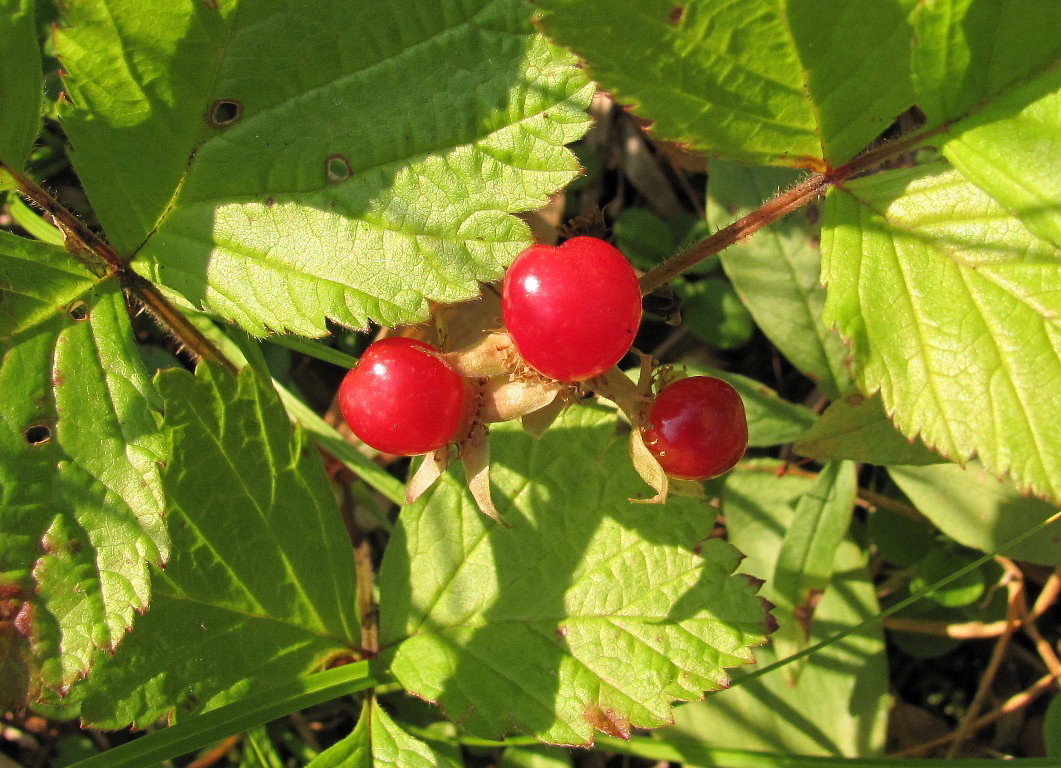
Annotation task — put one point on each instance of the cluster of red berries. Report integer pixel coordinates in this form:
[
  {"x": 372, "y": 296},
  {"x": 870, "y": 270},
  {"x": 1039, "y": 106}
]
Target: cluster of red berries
[{"x": 571, "y": 313}]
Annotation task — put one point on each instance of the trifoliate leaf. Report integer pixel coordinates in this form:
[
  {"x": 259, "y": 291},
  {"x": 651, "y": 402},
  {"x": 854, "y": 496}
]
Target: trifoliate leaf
[
  {"x": 953, "y": 311},
  {"x": 785, "y": 83},
  {"x": 21, "y": 82},
  {"x": 590, "y": 613},
  {"x": 839, "y": 706},
  {"x": 857, "y": 428},
  {"x": 80, "y": 497},
  {"x": 260, "y": 588},
  {"x": 282, "y": 163},
  {"x": 979, "y": 511},
  {"x": 776, "y": 273},
  {"x": 379, "y": 742}
]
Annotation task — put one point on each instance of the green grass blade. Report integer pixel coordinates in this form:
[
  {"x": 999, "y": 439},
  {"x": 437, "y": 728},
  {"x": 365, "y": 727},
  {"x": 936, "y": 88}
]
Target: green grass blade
[{"x": 252, "y": 711}]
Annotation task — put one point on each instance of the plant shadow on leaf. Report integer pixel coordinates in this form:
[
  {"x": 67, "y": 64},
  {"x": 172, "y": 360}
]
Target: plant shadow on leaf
[
  {"x": 377, "y": 156},
  {"x": 591, "y": 612}
]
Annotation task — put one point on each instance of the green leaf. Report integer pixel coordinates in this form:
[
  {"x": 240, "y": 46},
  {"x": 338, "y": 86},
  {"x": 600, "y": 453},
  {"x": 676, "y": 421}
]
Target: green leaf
[
  {"x": 783, "y": 83},
  {"x": 979, "y": 511},
  {"x": 857, "y": 428},
  {"x": 1010, "y": 149},
  {"x": 714, "y": 313},
  {"x": 21, "y": 82},
  {"x": 839, "y": 704},
  {"x": 939, "y": 564},
  {"x": 281, "y": 164},
  {"x": 377, "y": 741},
  {"x": 804, "y": 566},
  {"x": 260, "y": 587},
  {"x": 80, "y": 498},
  {"x": 772, "y": 420},
  {"x": 1052, "y": 728},
  {"x": 535, "y": 757},
  {"x": 967, "y": 52},
  {"x": 953, "y": 311},
  {"x": 776, "y": 273},
  {"x": 591, "y": 612}
]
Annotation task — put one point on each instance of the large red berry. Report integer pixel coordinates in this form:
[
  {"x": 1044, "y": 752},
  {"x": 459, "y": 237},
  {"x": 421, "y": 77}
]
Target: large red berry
[
  {"x": 697, "y": 428},
  {"x": 402, "y": 399},
  {"x": 572, "y": 310}
]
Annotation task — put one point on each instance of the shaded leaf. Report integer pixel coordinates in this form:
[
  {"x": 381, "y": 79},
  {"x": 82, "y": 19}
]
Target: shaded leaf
[
  {"x": 590, "y": 613},
  {"x": 968, "y": 52},
  {"x": 80, "y": 497},
  {"x": 21, "y": 82},
  {"x": 857, "y": 428},
  {"x": 260, "y": 588},
  {"x": 804, "y": 566},
  {"x": 281, "y": 164},
  {"x": 953, "y": 312},
  {"x": 839, "y": 704},
  {"x": 776, "y": 273},
  {"x": 976, "y": 510},
  {"x": 787, "y": 83}
]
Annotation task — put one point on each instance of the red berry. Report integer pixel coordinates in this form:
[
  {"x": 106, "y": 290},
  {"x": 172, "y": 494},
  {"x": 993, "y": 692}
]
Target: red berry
[
  {"x": 572, "y": 310},
  {"x": 401, "y": 399},
  {"x": 697, "y": 428}
]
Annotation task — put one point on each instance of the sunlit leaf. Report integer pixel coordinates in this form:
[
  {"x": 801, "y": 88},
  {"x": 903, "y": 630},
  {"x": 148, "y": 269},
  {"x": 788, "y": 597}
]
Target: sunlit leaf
[
  {"x": 379, "y": 742},
  {"x": 281, "y": 163},
  {"x": 80, "y": 497},
  {"x": 953, "y": 311},
  {"x": 590, "y": 613}
]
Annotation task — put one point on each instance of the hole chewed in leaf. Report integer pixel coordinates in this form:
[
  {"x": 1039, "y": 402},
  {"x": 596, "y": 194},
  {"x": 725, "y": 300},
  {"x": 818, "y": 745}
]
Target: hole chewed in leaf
[
  {"x": 37, "y": 434},
  {"x": 607, "y": 721},
  {"x": 224, "y": 112},
  {"x": 78, "y": 311},
  {"x": 674, "y": 16},
  {"x": 337, "y": 168}
]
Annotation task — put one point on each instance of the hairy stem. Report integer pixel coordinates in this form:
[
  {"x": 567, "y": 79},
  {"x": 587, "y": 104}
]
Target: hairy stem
[
  {"x": 99, "y": 258},
  {"x": 773, "y": 209}
]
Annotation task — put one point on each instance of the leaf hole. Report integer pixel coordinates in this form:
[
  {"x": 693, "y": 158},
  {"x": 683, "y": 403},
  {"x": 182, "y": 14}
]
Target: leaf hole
[
  {"x": 38, "y": 434},
  {"x": 225, "y": 112},
  {"x": 337, "y": 168},
  {"x": 674, "y": 16},
  {"x": 78, "y": 311}
]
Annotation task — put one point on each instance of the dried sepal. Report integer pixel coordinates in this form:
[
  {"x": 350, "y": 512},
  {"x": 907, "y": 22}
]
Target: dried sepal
[
  {"x": 504, "y": 400},
  {"x": 648, "y": 468},
  {"x": 492, "y": 355},
  {"x": 475, "y": 455},
  {"x": 430, "y": 470}
]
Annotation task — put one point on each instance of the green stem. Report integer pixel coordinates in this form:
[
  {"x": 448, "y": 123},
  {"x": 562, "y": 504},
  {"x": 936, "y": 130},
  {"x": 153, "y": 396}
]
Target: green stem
[
  {"x": 314, "y": 349},
  {"x": 249, "y": 712}
]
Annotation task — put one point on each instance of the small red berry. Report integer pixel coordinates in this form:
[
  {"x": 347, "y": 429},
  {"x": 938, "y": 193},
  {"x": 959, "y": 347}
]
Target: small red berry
[
  {"x": 697, "y": 428},
  {"x": 402, "y": 399},
  {"x": 572, "y": 310}
]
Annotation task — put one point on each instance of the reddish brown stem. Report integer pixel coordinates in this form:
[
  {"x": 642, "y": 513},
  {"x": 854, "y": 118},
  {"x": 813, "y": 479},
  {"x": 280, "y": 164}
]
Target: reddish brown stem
[
  {"x": 99, "y": 258},
  {"x": 792, "y": 199},
  {"x": 772, "y": 210}
]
